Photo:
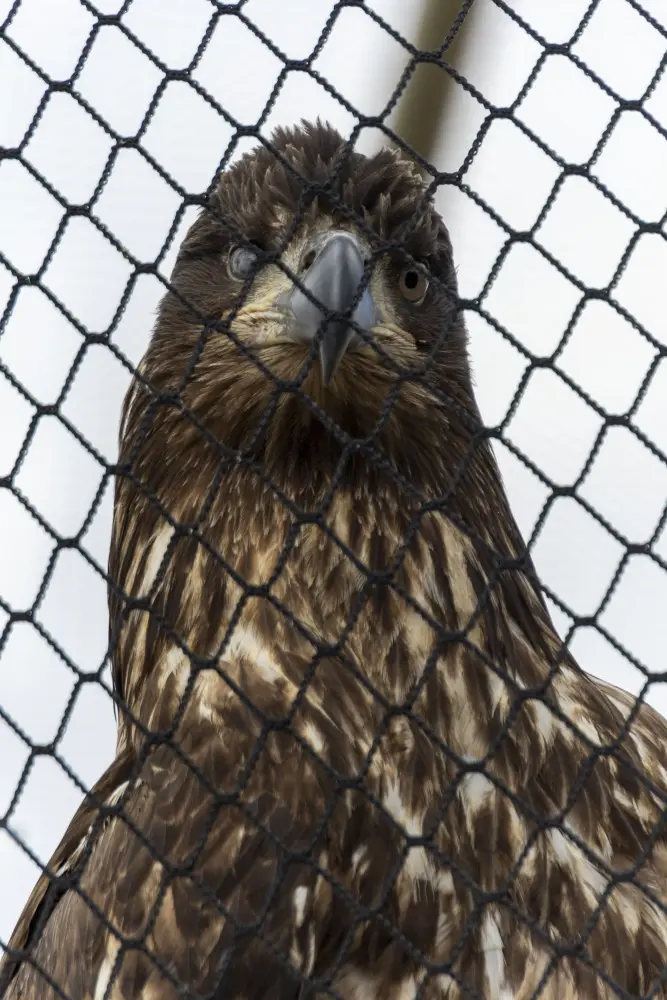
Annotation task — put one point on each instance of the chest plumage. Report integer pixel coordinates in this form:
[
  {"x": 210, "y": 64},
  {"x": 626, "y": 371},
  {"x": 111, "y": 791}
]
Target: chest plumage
[{"x": 439, "y": 754}]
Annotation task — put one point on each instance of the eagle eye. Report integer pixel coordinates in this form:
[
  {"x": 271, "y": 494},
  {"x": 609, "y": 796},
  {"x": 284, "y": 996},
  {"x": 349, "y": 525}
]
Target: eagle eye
[
  {"x": 241, "y": 261},
  {"x": 413, "y": 285}
]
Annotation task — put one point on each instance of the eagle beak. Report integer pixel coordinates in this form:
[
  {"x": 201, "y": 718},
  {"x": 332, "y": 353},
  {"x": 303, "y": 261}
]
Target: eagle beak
[{"x": 333, "y": 279}]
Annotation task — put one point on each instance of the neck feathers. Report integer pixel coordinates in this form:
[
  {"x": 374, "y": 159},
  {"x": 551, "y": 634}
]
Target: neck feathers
[{"x": 410, "y": 605}]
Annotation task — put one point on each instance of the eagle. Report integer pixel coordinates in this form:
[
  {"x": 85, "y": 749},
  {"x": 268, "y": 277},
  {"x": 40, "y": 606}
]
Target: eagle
[{"x": 354, "y": 758}]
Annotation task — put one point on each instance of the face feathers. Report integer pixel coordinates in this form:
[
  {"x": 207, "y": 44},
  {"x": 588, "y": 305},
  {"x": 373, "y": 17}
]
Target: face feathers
[
  {"x": 314, "y": 170},
  {"x": 353, "y": 755}
]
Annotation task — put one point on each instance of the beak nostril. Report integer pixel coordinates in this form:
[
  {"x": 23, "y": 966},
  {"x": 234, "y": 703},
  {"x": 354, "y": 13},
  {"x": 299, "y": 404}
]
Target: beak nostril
[{"x": 308, "y": 261}]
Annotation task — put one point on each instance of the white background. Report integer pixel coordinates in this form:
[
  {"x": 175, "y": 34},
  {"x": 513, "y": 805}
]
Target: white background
[{"x": 552, "y": 424}]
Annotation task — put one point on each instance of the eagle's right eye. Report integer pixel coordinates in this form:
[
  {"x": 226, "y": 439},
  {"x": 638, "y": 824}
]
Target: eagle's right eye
[{"x": 241, "y": 261}]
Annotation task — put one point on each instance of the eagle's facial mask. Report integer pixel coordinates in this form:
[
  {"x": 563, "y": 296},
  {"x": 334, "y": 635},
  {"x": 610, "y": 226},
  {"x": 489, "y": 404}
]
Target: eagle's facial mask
[{"x": 337, "y": 285}]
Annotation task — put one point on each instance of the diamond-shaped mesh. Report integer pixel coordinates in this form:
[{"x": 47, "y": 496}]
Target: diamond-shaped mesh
[{"x": 550, "y": 174}]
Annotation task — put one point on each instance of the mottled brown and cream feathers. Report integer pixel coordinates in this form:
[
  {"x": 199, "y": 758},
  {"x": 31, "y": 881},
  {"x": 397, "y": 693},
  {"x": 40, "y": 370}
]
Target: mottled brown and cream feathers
[{"x": 353, "y": 752}]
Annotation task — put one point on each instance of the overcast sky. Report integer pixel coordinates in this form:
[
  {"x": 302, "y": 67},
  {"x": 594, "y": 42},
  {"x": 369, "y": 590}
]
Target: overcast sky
[{"x": 555, "y": 426}]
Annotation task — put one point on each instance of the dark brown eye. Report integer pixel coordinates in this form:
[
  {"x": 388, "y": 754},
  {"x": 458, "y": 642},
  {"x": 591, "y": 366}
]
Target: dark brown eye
[
  {"x": 241, "y": 262},
  {"x": 413, "y": 285}
]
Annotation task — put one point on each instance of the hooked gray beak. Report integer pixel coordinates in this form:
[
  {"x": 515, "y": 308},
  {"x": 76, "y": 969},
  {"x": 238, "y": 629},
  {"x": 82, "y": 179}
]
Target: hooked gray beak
[{"x": 333, "y": 280}]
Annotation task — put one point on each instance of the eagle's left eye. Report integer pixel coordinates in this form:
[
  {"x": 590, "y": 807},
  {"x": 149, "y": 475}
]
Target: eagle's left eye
[
  {"x": 241, "y": 261},
  {"x": 413, "y": 285}
]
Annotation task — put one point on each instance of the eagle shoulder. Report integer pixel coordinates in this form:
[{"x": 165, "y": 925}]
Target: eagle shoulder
[{"x": 62, "y": 872}]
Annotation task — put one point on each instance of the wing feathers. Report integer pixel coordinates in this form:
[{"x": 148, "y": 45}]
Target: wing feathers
[{"x": 64, "y": 869}]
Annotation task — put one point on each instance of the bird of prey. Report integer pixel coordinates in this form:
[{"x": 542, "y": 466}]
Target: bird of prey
[{"x": 354, "y": 758}]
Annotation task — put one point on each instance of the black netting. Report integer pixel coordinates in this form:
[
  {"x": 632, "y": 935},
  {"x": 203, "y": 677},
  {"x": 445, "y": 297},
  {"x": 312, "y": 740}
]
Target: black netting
[{"x": 290, "y": 954}]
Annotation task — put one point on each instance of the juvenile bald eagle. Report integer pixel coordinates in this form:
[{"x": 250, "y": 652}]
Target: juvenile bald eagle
[{"x": 354, "y": 759}]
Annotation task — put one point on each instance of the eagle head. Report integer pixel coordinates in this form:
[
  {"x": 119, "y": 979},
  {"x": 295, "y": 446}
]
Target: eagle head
[{"x": 313, "y": 304}]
